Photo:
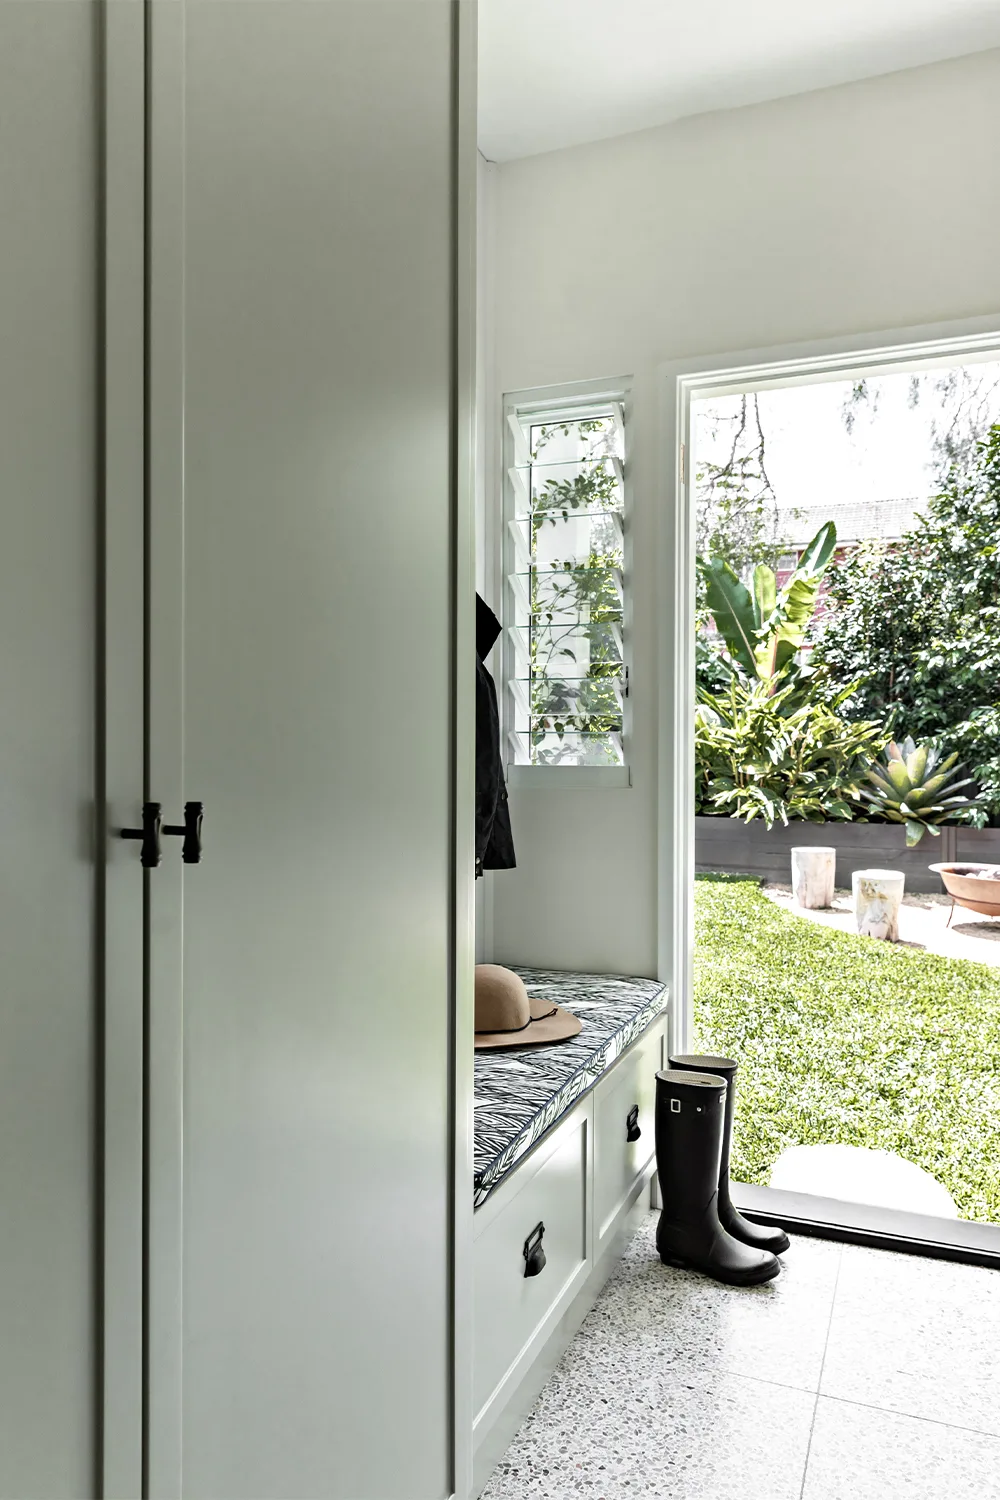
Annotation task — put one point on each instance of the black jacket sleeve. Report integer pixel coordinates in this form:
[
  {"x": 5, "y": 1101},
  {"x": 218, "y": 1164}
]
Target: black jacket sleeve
[{"x": 494, "y": 841}]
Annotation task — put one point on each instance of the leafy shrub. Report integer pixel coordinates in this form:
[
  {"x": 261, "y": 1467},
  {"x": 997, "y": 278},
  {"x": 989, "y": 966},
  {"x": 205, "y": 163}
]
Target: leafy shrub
[
  {"x": 770, "y": 754},
  {"x": 712, "y": 672},
  {"x": 977, "y": 741},
  {"x": 917, "y": 624}
]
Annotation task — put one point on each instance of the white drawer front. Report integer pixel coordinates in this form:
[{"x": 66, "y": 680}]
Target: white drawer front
[
  {"x": 508, "y": 1306},
  {"x": 618, "y": 1162}
]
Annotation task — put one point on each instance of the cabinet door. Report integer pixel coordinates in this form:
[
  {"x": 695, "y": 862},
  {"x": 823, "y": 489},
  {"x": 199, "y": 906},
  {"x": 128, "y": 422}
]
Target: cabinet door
[
  {"x": 303, "y": 510},
  {"x": 624, "y": 1135},
  {"x": 49, "y": 1002}
]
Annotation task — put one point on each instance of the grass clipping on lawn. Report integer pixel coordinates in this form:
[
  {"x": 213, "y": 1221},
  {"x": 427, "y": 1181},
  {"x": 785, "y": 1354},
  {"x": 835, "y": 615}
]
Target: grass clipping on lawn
[{"x": 846, "y": 1039}]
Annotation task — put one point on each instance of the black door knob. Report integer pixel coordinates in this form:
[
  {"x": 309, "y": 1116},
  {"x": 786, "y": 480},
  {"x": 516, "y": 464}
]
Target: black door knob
[
  {"x": 149, "y": 833},
  {"x": 153, "y": 827},
  {"x": 190, "y": 832},
  {"x": 632, "y": 1131}
]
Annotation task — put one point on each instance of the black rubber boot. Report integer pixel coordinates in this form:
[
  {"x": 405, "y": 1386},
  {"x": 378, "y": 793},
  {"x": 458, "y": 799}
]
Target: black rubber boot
[
  {"x": 758, "y": 1235},
  {"x": 690, "y": 1116}
]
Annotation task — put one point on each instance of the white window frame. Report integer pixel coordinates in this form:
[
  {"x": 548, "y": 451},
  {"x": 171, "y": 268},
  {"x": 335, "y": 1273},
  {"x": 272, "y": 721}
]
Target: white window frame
[
  {"x": 551, "y": 403},
  {"x": 885, "y": 353}
]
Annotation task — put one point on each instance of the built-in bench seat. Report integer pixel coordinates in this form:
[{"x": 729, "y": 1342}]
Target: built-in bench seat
[
  {"x": 520, "y": 1093},
  {"x": 564, "y": 1150}
]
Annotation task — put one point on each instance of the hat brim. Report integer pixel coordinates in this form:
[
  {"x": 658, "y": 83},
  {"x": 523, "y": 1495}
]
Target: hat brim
[{"x": 549, "y": 1023}]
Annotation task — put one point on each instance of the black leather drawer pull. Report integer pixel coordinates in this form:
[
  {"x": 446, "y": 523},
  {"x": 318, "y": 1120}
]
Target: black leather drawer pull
[
  {"x": 534, "y": 1255},
  {"x": 632, "y": 1131}
]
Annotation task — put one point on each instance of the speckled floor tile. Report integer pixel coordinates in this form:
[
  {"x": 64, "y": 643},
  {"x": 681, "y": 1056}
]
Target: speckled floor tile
[
  {"x": 859, "y": 1453},
  {"x": 681, "y": 1389},
  {"x": 725, "y": 1438},
  {"x": 669, "y": 1320},
  {"x": 920, "y": 1337}
]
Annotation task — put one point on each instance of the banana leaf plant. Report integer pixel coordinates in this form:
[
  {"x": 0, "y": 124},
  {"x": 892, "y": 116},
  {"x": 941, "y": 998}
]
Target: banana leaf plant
[
  {"x": 915, "y": 787},
  {"x": 764, "y": 628}
]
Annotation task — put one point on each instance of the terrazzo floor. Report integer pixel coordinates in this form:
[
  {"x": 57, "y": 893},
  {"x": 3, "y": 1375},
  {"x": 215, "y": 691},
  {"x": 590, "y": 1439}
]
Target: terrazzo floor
[{"x": 857, "y": 1375}]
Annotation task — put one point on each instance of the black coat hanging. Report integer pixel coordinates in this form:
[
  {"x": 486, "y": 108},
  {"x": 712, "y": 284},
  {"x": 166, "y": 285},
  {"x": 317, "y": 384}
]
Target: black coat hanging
[{"x": 494, "y": 841}]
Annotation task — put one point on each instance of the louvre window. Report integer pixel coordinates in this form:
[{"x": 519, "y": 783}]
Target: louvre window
[{"x": 566, "y": 588}]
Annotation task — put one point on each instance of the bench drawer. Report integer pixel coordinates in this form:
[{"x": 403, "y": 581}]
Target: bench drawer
[
  {"x": 510, "y": 1307},
  {"x": 624, "y": 1107}
]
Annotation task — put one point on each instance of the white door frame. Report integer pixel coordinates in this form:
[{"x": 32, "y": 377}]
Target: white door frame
[{"x": 679, "y": 383}]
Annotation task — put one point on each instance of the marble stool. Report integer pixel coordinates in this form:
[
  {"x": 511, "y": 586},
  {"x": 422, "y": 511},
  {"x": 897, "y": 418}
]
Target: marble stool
[
  {"x": 878, "y": 895},
  {"x": 814, "y": 867}
]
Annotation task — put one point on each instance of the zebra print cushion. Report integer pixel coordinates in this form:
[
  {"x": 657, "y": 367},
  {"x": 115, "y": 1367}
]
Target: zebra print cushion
[{"x": 519, "y": 1094}]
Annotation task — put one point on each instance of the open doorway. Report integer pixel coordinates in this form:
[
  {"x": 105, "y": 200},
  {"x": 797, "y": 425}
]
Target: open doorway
[{"x": 837, "y": 602}]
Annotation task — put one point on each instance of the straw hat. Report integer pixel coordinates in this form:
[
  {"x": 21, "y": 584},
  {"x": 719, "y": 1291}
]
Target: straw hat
[{"x": 506, "y": 1017}]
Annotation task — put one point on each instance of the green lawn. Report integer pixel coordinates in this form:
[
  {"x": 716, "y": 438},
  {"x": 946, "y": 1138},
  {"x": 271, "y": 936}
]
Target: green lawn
[{"x": 841, "y": 1038}]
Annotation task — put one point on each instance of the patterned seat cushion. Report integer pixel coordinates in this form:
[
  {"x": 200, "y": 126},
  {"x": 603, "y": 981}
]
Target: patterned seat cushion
[{"x": 520, "y": 1093}]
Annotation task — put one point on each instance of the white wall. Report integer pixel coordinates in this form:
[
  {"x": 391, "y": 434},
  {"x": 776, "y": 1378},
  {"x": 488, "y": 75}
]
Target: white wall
[{"x": 870, "y": 206}]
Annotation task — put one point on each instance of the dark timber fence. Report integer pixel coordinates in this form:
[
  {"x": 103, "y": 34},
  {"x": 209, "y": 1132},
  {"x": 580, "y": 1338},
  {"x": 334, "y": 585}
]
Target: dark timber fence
[{"x": 726, "y": 845}]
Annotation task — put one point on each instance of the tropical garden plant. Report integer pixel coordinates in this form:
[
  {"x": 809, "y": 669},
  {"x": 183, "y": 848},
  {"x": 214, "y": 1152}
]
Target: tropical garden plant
[
  {"x": 912, "y": 785},
  {"x": 764, "y": 627},
  {"x": 763, "y": 752}
]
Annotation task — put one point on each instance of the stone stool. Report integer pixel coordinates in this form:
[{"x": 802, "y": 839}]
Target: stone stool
[
  {"x": 878, "y": 895},
  {"x": 814, "y": 867}
]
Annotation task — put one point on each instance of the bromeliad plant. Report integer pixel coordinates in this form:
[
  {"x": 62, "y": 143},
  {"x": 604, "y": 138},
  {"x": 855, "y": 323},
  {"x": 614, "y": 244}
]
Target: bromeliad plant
[
  {"x": 915, "y": 787},
  {"x": 764, "y": 629},
  {"x": 761, "y": 752}
]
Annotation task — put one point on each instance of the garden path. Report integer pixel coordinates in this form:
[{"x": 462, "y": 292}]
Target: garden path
[{"x": 923, "y": 923}]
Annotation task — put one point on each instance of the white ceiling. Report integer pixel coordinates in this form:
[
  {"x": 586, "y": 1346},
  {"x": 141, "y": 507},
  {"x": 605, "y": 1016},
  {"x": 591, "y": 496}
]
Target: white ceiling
[{"x": 556, "y": 73}]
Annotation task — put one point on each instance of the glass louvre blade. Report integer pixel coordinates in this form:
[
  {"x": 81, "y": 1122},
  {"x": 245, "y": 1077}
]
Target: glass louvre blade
[
  {"x": 570, "y": 650},
  {"x": 568, "y": 488},
  {"x": 574, "y": 749},
  {"x": 579, "y": 541},
  {"x": 567, "y": 610},
  {"x": 568, "y": 592},
  {"x": 580, "y": 699},
  {"x": 547, "y": 463},
  {"x": 573, "y": 439}
]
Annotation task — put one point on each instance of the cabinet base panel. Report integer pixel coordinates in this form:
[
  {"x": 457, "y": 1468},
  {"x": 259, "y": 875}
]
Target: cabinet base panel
[{"x": 491, "y": 1445}]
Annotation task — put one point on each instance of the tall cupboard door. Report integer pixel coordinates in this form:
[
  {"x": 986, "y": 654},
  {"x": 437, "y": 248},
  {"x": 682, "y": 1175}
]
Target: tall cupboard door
[
  {"x": 49, "y": 768},
  {"x": 304, "y": 509}
]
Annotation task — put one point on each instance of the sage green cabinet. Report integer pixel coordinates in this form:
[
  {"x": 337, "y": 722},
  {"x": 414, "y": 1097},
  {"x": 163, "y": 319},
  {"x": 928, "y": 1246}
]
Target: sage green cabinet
[
  {"x": 236, "y": 366},
  {"x": 545, "y": 1205},
  {"x": 49, "y": 495},
  {"x": 624, "y": 1132}
]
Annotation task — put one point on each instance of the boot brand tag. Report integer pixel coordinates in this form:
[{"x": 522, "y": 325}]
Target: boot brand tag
[
  {"x": 675, "y": 1106},
  {"x": 722, "y": 1098}
]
